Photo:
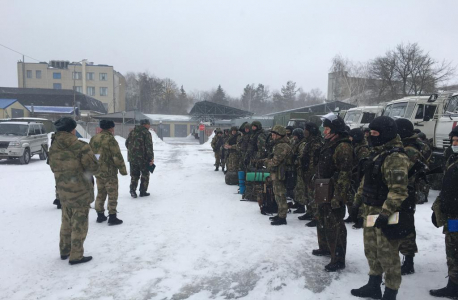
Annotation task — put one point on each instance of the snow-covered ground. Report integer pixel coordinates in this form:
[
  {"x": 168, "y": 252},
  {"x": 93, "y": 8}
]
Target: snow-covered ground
[{"x": 191, "y": 239}]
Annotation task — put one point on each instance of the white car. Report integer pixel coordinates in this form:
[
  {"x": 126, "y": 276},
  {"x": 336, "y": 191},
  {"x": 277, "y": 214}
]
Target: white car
[{"x": 22, "y": 140}]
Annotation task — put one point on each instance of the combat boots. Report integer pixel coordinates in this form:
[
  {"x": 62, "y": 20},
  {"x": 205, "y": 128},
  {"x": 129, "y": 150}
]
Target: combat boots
[
  {"x": 334, "y": 267},
  {"x": 450, "y": 291},
  {"x": 274, "y": 218},
  {"x": 144, "y": 194},
  {"x": 349, "y": 219},
  {"x": 80, "y": 261},
  {"x": 389, "y": 294},
  {"x": 300, "y": 210},
  {"x": 371, "y": 289},
  {"x": 312, "y": 223},
  {"x": 216, "y": 169},
  {"x": 101, "y": 217},
  {"x": 113, "y": 220},
  {"x": 407, "y": 267},
  {"x": 133, "y": 194},
  {"x": 319, "y": 252},
  {"x": 307, "y": 217},
  {"x": 279, "y": 221}
]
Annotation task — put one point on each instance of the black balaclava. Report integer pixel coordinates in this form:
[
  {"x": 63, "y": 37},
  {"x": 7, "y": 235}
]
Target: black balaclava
[
  {"x": 312, "y": 128},
  {"x": 357, "y": 135},
  {"x": 387, "y": 129},
  {"x": 290, "y": 128},
  {"x": 405, "y": 128},
  {"x": 299, "y": 132}
]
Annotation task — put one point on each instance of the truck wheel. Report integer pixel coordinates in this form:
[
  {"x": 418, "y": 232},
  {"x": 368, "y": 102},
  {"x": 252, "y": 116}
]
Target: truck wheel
[
  {"x": 25, "y": 158},
  {"x": 43, "y": 154}
]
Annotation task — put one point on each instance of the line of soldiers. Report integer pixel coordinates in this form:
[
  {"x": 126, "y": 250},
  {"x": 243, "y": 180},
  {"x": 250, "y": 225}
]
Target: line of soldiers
[
  {"x": 379, "y": 171},
  {"x": 74, "y": 163}
]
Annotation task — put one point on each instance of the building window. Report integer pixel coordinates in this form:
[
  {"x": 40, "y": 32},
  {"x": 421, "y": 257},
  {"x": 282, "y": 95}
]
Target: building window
[
  {"x": 57, "y": 86},
  {"x": 76, "y": 75},
  {"x": 103, "y": 91},
  {"x": 29, "y": 73},
  {"x": 56, "y": 75},
  {"x": 91, "y": 90},
  {"x": 38, "y": 74},
  {"x": 90, "y": 75},
  {"x": 103, "y": 76},
  {"x": 78, "y": 89}
]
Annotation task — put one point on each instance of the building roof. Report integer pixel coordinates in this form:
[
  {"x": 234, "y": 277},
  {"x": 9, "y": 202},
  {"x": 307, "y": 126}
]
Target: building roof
[
  {"x": 51, "y": 109},
  {"x": 4, "y": 103},
  {"x": 322, "y": 107},
  {"x": 173, "y": 118},
  {"x": 51, "y": 97},
  {"x": 207, "y": 109}
]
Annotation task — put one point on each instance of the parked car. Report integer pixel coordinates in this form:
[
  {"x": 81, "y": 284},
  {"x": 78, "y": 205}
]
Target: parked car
[{"x": 22, "y": 140}]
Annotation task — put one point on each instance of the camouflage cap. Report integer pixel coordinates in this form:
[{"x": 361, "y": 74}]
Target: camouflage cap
[
  {"x": 278, "y": 129},
  {"x": 144, "y": 122},
  {"x": 234, "y": 128}
]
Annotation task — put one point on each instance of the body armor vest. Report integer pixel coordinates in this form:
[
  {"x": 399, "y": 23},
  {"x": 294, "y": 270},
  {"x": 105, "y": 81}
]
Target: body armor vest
[{"x": 326, "y": 166}]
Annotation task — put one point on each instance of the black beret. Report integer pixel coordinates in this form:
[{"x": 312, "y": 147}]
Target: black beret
[
  {"x": 144, "y": 121},
  {"x": 65, "y": 124},
  {"x": 106, "y": 124}
]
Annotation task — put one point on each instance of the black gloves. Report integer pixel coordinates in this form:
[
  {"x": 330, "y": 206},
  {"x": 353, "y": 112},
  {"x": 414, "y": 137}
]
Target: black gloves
[
  {"x": 434, "y": 220},
  {"x": 354, "y": 213},
  {"x": 382, "y": 221}
]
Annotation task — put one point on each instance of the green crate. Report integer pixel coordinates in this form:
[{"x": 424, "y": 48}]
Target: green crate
[{"x": 257, "y": 176}]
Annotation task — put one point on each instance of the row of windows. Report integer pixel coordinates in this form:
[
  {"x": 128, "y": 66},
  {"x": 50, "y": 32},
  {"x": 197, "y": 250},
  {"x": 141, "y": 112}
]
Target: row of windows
[
  {"x": 90, "y": 76},
  {"x": 37, "y": 74},
  {"x": 90, "y": 90},
  {"x": 75, "y": 75}
]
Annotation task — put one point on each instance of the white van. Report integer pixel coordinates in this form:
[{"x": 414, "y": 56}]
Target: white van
[{"x": 360, "y": 117}]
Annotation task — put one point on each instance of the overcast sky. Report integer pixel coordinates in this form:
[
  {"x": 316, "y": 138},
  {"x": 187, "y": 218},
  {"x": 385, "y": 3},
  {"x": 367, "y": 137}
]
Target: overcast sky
[{"x": 200, "y": 44}]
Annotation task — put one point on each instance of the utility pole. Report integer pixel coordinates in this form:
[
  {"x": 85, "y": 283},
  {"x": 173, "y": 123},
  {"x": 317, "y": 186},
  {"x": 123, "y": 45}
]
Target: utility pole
[{"x": 23, "y": 71}]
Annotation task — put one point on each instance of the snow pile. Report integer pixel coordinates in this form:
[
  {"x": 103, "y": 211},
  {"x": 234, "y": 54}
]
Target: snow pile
[{"x": 157, "y": 142}]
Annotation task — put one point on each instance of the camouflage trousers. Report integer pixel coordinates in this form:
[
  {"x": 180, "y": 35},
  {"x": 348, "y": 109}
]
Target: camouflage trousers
[
  {"x": 107, "y": 187},
  {"x": 333, "y": 228},
  {"x": 299, "y": 190},
  {"x": 73, "y": 231},
  {"x": 280, "y": 197},
  {"x": 135, "y": 171},
  {"x": 232, "y": 162},
  {"x": 451, "y": 251},
  {"x": 217, "y": 159},
  {"x": 383, "y": 256},
  {"x": 408, "y": 245}
]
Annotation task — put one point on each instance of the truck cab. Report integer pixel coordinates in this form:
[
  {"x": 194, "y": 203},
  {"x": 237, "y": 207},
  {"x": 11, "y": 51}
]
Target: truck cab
[{"x": 360, "y": 117}]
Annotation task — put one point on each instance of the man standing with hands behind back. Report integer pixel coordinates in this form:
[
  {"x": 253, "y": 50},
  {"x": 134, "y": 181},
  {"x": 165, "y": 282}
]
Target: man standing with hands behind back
[{"x": 139, "y": 144}]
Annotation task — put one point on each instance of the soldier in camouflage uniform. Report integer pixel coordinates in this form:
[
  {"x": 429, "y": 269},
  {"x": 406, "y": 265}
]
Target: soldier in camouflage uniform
[
  {"x": 298, "y": 152},
  {"x": 309, "y": 161},
  {"x": 336, "y": 161},
  {"x": 73, "y": 164},
  {"x": 413, "y": 148},
  {"x": 110, "y": 159},
  {"x": 242, "y": 146},
  {"x": 223, "y": 151},
  {"x": 256, "y": 146},
  {"x": 382, "y": 192},
  {"x": 276, "y": 166},
  {"x": 446, "y": 208},
  {"x": 216, "y": 143},
  {"x": 139, "y": 144},
  {"x": 231, "y": 147},
  {"x": 360, "y": 152}
]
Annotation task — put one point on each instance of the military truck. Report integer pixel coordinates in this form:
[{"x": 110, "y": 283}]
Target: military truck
[{"x": 361, "y": 116}]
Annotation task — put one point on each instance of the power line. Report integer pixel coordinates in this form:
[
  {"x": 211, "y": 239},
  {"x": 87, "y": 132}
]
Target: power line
[{"x": 19, "y": 52}]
